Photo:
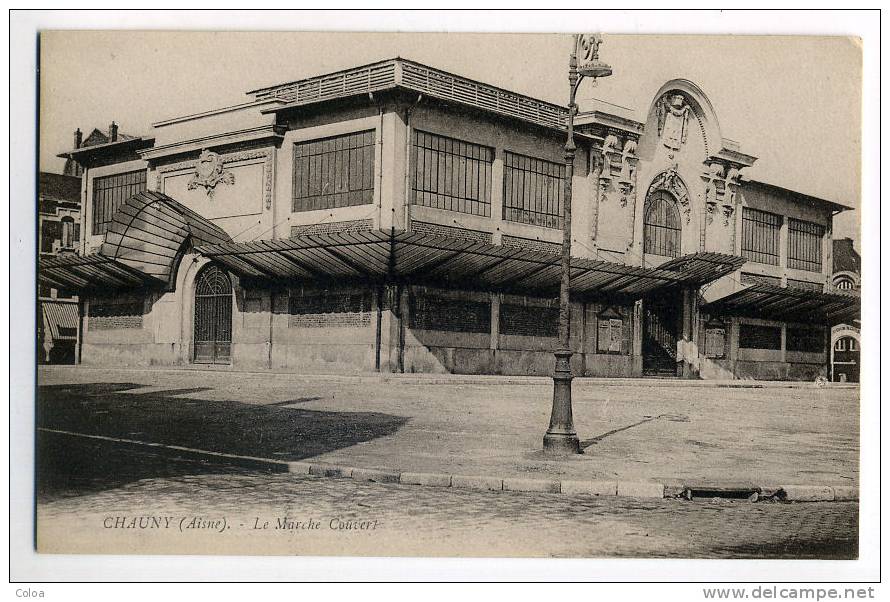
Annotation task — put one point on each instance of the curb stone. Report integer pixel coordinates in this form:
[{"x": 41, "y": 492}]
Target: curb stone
[
  {"x": 532, "y": 485},
  {"x": 375, "y": 476},
  {"x": 481, "y": 483},
  {"x": 590, "y": 487},
  {"x": 808, "y": 493},
  {"x": 429, "y": 479},
  {"x": 640, "y": 489}
]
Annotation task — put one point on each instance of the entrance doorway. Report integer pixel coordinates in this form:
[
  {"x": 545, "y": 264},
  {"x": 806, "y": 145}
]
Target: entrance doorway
[
  {"x": 660, "y": 323},
  {"x": 845, "y": 360},
  {"x": 213, "y": 317}
]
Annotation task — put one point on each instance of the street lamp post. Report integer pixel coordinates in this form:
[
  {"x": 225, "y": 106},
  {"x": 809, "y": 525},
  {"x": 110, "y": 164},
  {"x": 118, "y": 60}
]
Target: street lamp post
[{"x": 561, "y": 438}]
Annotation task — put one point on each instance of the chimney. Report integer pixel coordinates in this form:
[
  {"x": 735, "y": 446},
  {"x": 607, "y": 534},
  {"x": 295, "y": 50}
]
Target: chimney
[
  {"x": 112, "y": 132},
  {"x": 78, "y": 138}
]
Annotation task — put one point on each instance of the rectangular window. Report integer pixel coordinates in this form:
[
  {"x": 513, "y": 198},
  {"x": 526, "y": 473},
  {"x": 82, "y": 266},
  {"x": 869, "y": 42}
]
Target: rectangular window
[
  {"x": 753, "y": 336},
  {"x": 452, "y": 174},
  {"x": 528, "y": 320},
  {"x": 533, "y": 191},
  {"x": 431, "y": 312},
  {"x": 805, "y": 245},
  {"x": 334, "y": 172},
  {"x": 760, "y": 236},
  {"x": 328, "y": 308},
  {"x": 109, "y": 193},
  {"x": 50, "y": 232},
  {"x": 805, "y": 338}
]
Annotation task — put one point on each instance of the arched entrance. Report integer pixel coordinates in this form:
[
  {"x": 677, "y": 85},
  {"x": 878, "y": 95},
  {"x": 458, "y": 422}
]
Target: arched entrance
[
  {"x": 662, "y": 235},
  {"x": 213, "y": 317},
  {"x": 845, "y": 358}
]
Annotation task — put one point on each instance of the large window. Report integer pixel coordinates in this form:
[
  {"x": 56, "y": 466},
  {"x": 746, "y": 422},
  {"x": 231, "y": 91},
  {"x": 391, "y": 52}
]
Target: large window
[
  {"x": 661, "y": 225},
  {"x": 760, "y": 236},
  {"x": 452, "y": 174},
  {"x": 334, "y": 172},
  {"x": 805, "y": 245},
  {"x": 805, "y": 338},
  {"x": 533, "y": 191},
  {"x": 109, "y": 193},
  {"x": 753, "y": 336}
]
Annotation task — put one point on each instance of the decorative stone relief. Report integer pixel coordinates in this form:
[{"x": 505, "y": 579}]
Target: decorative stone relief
[
  {"x": 728, "y": 211},
  {"x": 673, "y": 120},
  {"x": 246, "y": 155},
  {"x": 628, "y": 171},
  {"x": 670, "y": 180},
  {"x": 610, "y": 147},
  {"x": 209, "y": 172}
]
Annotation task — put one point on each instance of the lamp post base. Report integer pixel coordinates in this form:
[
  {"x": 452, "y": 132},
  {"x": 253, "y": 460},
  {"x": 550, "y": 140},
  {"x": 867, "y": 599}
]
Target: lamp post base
[
  {"x": 561, "y": 439},
  {"x": 561, "y": 444}
]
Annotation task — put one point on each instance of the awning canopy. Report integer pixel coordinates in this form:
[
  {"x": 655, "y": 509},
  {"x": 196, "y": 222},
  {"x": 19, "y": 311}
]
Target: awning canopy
[
  {"x": 436, "y": 259},
  {"x": 60, "y": 320},
  {"x": 789, "y": 304},
  {"x": 150, "y": 231},
  {"x": 145, "y": 240},
  {"x": 701, "y": 268},
  {"x": 75, "y": 272}
]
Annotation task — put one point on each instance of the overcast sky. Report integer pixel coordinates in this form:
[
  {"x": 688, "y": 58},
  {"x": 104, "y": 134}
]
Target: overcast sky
[{"x": 794, "y": 102}]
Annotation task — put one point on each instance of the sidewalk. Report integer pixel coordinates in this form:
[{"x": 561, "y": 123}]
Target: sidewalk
[{"x": 638, "y": 430}]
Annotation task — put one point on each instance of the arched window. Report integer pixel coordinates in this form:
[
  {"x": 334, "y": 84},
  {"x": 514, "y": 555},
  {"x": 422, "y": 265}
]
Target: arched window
[
  {"x": 844, "y": 283},
  {"x": 661, "y": 225},
  {"x": 67, "y": 232}
]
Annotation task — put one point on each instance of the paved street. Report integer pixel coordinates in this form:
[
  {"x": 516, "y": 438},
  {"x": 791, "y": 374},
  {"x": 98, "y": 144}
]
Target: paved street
[
  {"x": 90, "y": 492},
  {"x": 634, "y": 431}
]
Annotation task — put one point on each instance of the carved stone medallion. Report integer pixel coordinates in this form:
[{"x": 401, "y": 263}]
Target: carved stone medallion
[{"x": 209, "y": 172}]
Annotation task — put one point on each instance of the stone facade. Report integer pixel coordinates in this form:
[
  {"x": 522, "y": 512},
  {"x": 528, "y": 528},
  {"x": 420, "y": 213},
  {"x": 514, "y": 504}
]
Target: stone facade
[{"x": 243, "y": 168}]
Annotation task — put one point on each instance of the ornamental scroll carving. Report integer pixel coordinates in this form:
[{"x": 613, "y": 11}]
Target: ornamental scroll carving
[
  {"x": 670, "y": 181},
  {"x": 265, "y": 154},
  {"x": 209, "y": 172},
  {"x": 720, "y": 187}
]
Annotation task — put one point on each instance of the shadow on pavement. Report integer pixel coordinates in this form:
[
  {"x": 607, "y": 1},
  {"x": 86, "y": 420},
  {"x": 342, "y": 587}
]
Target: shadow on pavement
[{"x": 120, "y": 410}]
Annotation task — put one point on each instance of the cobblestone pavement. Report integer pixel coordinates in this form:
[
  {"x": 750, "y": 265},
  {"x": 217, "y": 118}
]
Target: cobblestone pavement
[
  {"x": 768, "y": 436},
  {"x": 114, "y": 487}
]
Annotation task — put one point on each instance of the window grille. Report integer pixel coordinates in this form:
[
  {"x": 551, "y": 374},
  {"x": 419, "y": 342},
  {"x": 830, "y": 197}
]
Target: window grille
[
  {"x": 661, "y": 225},
  {"x": 110, "y": 192},
  {"x": 805, "y": 338},
  {"x": 805, "y": 245},
  {"x": 452, "y": 174},
  {"x": 334, "y": 172},
  {"x": 533, "y": 191},
  {"x": 760, "y": 236},
  {"x": 753, "y": 336}
]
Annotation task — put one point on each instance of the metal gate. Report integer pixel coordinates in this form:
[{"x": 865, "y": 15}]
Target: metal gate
[{"x": 213, "y": 317}]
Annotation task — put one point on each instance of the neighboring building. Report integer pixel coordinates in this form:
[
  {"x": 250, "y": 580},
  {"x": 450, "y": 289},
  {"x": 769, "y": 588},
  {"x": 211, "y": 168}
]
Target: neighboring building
[
  {"x": 845, "y": 338},
  {"x": 396, "y": 217},
  {"x": 58, "y": 225}
]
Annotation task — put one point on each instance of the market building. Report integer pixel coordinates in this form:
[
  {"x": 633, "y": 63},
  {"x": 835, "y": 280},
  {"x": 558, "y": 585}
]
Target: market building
[{"x": 395, "y": 217}]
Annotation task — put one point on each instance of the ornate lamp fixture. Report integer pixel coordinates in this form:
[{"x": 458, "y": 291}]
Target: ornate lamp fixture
[{"x": 561, "y": 438}]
